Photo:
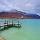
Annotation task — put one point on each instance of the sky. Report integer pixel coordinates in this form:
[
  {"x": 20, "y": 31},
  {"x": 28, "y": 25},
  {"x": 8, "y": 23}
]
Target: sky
[{"x": 29, "y": 6}]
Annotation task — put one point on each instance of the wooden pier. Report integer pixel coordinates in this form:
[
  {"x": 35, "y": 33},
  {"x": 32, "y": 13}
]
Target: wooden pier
[{"x": 7, "y": 26}]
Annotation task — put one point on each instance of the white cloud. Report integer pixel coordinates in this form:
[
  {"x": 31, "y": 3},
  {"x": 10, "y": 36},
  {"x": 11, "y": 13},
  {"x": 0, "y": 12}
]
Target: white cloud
[{"x": 29, "y": 6}]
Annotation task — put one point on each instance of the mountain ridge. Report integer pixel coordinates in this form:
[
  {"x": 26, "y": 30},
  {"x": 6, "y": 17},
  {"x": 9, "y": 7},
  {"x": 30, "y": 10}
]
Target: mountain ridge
[{"x": 19, "y": 15}]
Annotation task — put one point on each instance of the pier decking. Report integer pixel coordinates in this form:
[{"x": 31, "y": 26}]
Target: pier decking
[{"x": 7, "y": 26}]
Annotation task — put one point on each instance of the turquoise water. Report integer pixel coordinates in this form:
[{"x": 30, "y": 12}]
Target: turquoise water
[{"x": 30, "y": 30}]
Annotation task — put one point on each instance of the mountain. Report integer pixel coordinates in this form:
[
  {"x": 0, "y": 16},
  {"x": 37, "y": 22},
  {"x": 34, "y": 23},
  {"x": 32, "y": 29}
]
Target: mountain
[
  {"x": 34, "y": 16},
  {"x": 18, "y": 15}
]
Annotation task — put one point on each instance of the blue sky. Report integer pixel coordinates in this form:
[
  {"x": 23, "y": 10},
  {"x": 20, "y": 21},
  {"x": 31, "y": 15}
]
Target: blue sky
[{"x": 29, "y": 6}]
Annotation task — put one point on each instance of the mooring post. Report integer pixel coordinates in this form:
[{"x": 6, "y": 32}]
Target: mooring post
[
  {"x": 12, "y": 22},
  {"x": 18, "y": 23}
]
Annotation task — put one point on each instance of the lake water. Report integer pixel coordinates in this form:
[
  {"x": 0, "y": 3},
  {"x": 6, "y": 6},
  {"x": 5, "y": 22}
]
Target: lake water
[{"x": 30, "y": 30}]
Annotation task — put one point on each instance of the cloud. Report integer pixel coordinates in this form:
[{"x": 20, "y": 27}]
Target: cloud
[{"x": 30, "y": 6}]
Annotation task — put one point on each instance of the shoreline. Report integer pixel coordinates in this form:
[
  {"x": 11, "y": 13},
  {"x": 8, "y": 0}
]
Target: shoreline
[{"x": 2, "y": 38}]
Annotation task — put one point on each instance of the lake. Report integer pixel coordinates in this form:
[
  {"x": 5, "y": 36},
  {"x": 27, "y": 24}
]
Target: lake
[{"x": 30, "y": 30}]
